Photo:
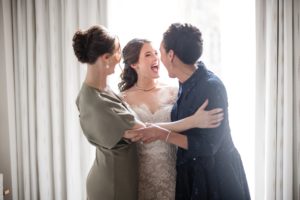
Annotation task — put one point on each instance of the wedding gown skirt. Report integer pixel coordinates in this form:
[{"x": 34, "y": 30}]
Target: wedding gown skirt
[{"x": 157, "y": 160}]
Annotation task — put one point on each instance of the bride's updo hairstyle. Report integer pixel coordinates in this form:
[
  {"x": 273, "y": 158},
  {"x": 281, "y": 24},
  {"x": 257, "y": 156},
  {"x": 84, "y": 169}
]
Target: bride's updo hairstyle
[
  {"x": 131, "y": 54},
  {"x": 88, "y": 45}
]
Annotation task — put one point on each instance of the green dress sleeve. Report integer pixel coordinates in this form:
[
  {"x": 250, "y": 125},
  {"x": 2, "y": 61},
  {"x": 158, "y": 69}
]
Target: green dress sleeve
[{"x": 104, "y": 119}]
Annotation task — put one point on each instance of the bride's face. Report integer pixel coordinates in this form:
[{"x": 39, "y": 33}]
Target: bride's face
[{"x": 148, "y": 63}]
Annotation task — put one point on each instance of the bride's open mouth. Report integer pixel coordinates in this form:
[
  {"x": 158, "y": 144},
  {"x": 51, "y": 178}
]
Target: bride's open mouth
[{"x": 155, "y": 68}]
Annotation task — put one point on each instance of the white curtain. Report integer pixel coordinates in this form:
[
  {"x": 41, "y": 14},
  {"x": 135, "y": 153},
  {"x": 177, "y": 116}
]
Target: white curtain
[
  {"x": 50, "y": 155},
  {"x": 278, "y": 100}
]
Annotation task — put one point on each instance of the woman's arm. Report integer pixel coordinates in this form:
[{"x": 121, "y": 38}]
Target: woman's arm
[
  {"x": 201, "y": 119},
  {"x": 139, "y": 132},
  {"x": 169, "y": 131}
]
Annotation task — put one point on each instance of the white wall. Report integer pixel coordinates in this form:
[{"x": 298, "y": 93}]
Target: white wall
[{"x": 6, "y": 90}]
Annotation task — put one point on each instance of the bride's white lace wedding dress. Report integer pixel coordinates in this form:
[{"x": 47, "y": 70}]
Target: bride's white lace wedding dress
[{"x": 157, "y": 160}]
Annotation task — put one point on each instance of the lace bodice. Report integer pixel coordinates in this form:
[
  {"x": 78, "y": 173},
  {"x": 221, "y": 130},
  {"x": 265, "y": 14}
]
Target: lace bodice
[{"x": 157, "y": 160}]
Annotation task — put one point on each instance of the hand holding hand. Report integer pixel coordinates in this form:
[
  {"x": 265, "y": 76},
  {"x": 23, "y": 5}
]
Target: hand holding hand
[
  {"x": 149, "y": 134},
  {"x": 132, "y": 135}
]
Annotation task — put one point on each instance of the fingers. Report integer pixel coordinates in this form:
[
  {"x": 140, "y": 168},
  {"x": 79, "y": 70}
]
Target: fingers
[
  {"x": 131, "y": 134},
  {"x": 215, "y": 111},
  {"x": 214, "y": 125},
  {"x": 218, "y": 117},
  {"x": 137, "y": 138},
  {"x": 204, "y": 105},
  {"x": 146, "y": 139},
  {"x": 216, "y": 120},
  {"x": 212, "y": 121},
  {"x": 146, "y": 135}
]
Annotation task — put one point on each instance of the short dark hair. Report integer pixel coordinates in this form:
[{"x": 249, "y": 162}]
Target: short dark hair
[
  {"x": 185, "y": 40},
  {"x": 90, "y": 44}
]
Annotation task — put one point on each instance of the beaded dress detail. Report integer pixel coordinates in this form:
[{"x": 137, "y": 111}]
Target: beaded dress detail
[{"x": 157, "y": 160}]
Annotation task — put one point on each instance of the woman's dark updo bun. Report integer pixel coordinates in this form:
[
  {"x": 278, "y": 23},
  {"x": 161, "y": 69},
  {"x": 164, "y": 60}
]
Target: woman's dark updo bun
[
  {"x": 131, "y": 54},
  {"x": 79, "y": 46},
  {"x": 90, "y": 44}
]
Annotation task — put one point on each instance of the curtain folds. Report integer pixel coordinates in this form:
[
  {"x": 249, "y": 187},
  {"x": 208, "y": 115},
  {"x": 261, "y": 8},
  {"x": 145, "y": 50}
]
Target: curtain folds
[
  {"x": 296, "y": 102},
  {"x": 278, "y": 100},
  {"x": 53, "y": 157}
]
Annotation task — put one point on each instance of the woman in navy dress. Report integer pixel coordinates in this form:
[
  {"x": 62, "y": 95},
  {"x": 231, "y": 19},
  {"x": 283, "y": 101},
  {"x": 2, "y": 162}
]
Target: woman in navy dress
[{"x": 211, "y": 167}]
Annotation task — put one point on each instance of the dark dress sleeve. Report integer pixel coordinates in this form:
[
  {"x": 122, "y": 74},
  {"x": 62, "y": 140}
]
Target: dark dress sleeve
[
  {"x": 105, "y": 121},
  {"x": 206, "y": 142}
]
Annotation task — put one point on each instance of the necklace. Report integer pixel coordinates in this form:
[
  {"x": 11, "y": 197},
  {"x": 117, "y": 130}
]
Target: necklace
[{"x": 145, "y": 90}]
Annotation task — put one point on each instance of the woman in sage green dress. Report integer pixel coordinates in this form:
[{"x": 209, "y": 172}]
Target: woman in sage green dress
[{"x": 104, "y": 119}]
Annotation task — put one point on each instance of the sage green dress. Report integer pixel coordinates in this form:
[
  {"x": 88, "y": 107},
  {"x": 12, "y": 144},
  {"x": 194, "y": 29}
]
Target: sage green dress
[{"x": 103, "y": 119}]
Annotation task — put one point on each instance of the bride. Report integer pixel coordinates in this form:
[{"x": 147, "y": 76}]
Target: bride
[{"x": 152, "y": 102}]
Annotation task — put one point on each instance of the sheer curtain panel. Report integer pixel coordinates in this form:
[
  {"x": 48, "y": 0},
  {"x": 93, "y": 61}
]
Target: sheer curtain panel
[
  {"x": 278, "y": 100},
  {"x": 49, "y": 155}
]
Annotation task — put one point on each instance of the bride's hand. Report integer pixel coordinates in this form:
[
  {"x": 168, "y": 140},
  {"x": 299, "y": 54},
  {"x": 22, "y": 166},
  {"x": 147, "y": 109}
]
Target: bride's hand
[{"x": 207, "y": 119}]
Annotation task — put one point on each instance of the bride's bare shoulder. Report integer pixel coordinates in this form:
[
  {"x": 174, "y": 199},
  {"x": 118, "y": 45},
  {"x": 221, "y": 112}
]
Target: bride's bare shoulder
[
  {"x": 168, "y": 93},
  {"x": 129, "y": 95},
  {"x": 168, "y": 88}
]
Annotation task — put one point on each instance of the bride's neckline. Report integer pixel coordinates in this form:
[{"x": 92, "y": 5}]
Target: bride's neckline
[{"x": 146, "y": 108}]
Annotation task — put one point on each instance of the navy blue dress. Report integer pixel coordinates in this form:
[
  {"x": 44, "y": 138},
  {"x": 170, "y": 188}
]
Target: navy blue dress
[{"x": 211, "y": 168}]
